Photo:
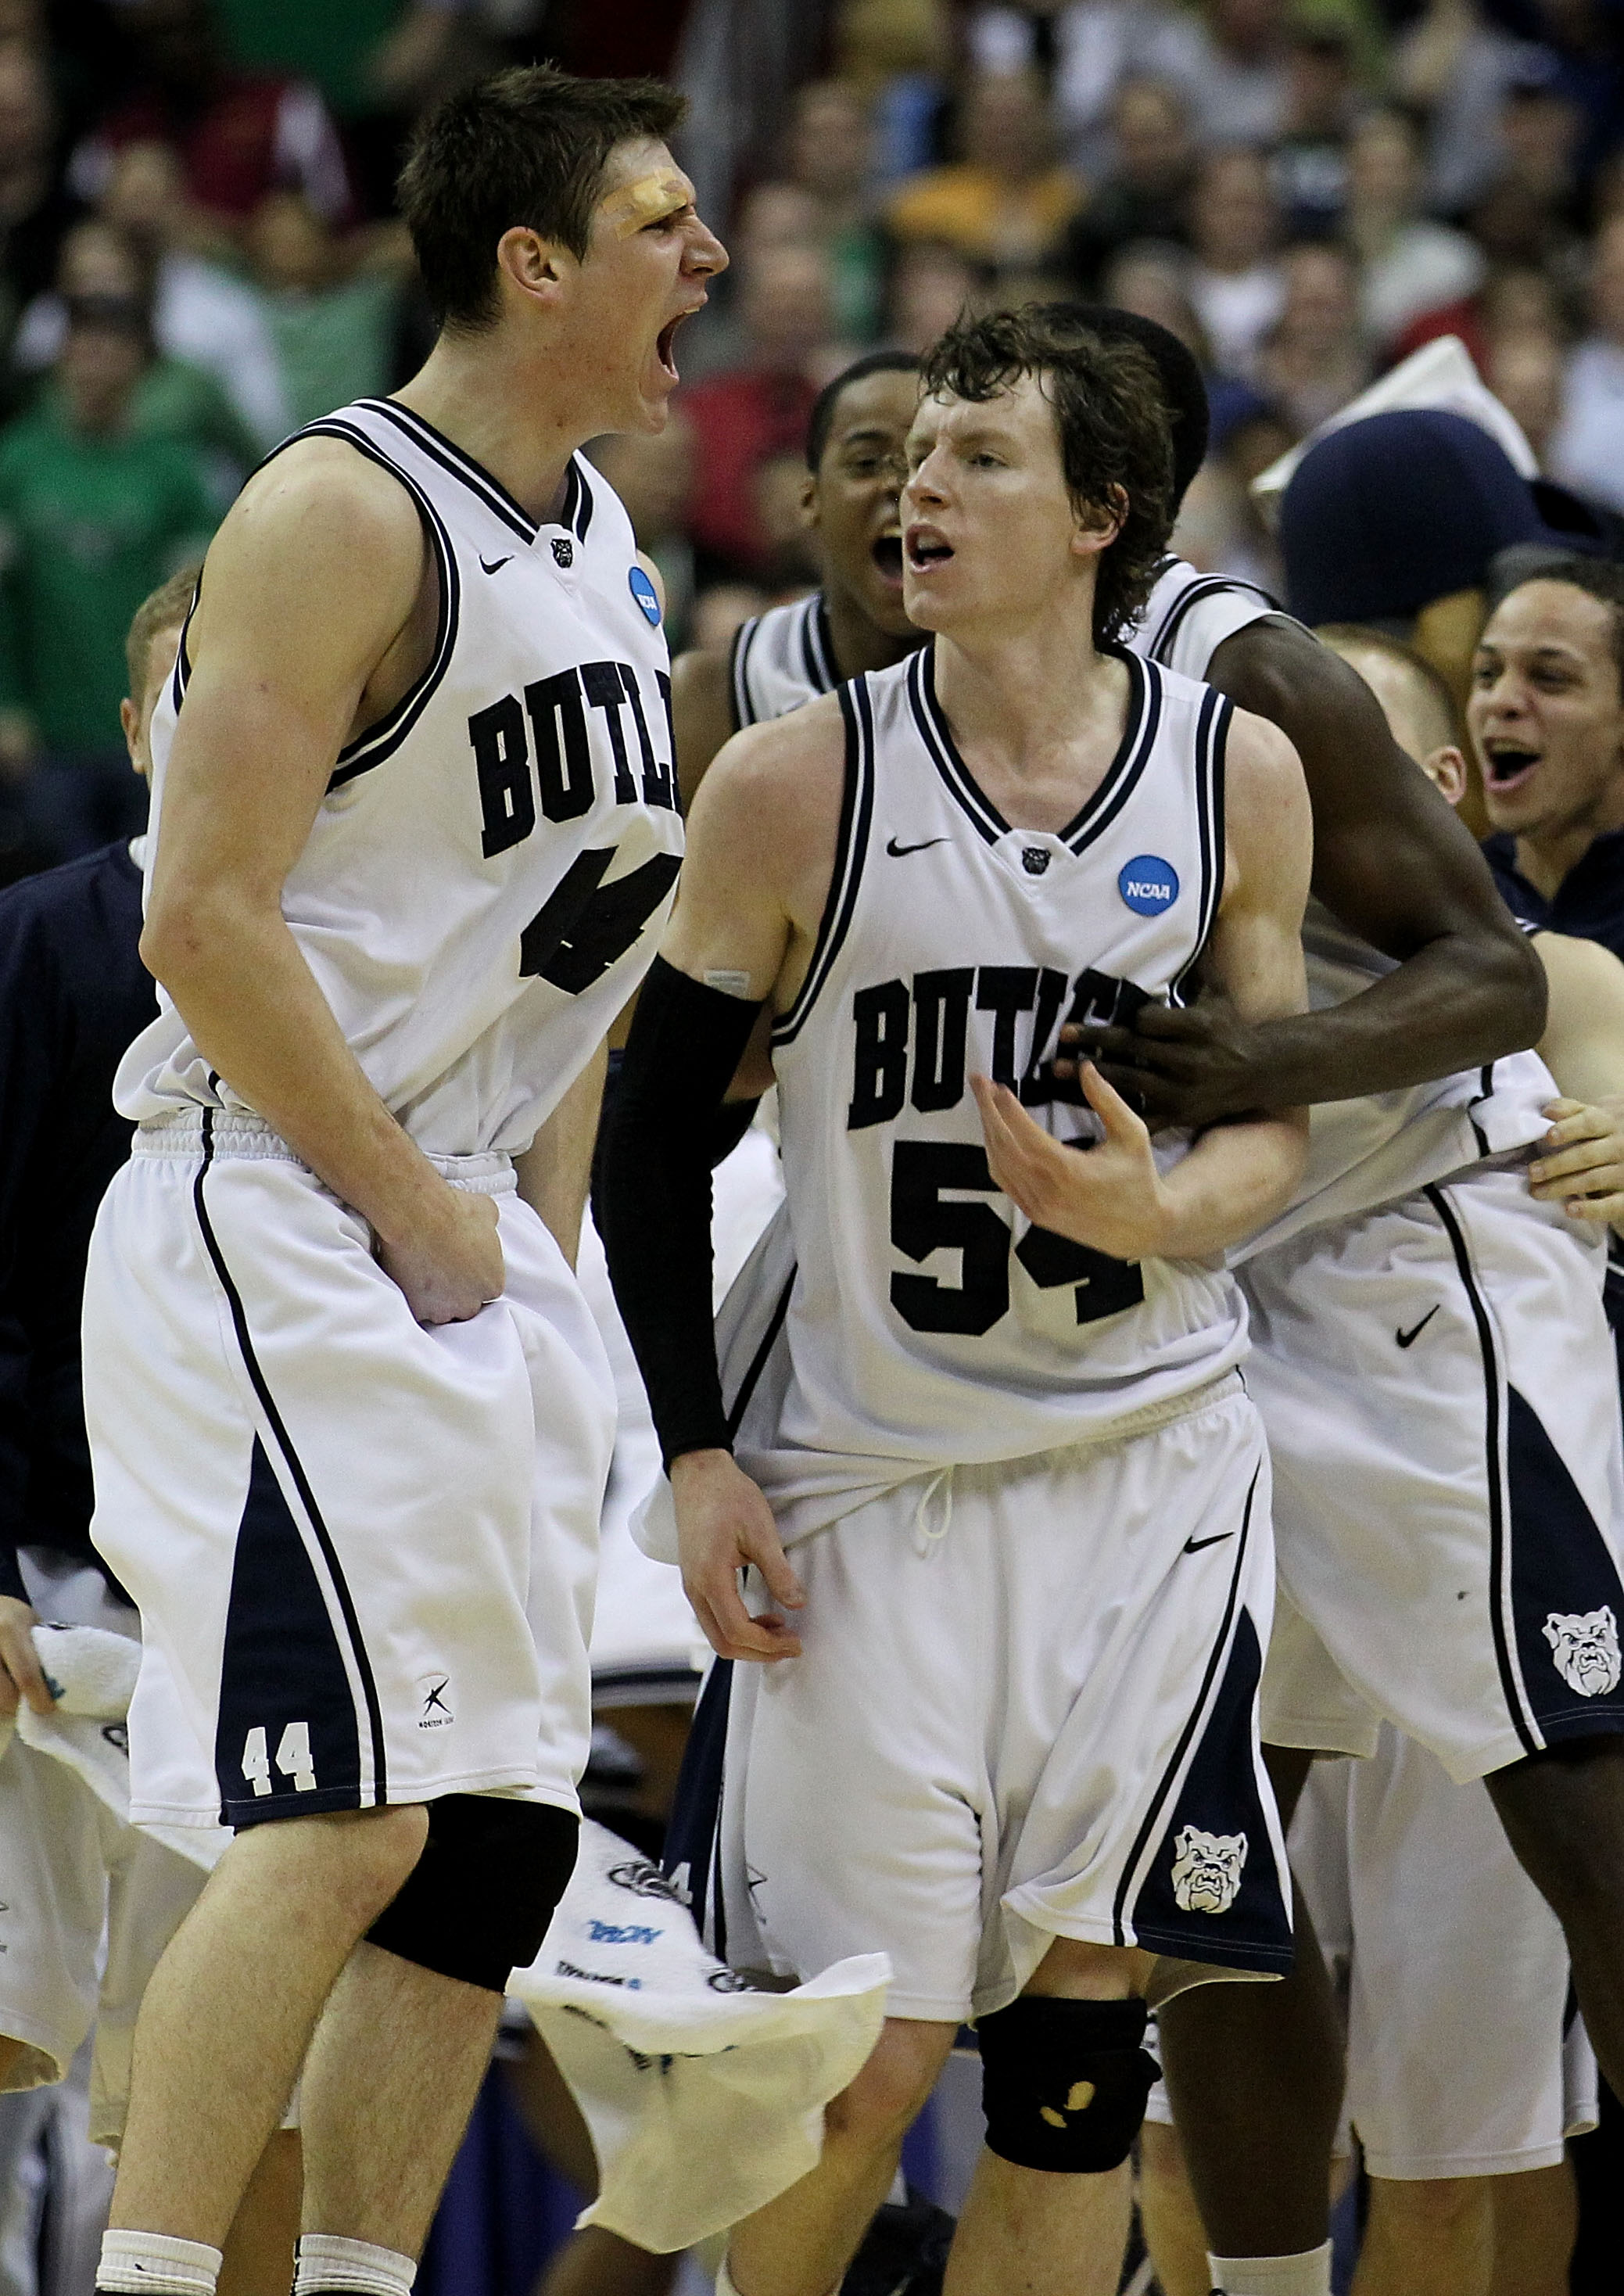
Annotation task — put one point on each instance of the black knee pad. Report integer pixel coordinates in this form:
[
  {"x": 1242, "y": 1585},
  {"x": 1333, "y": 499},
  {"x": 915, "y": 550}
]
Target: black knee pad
[
  {"x": 477, "y": 1903},
  {"x": 1064, "y": 2083}
]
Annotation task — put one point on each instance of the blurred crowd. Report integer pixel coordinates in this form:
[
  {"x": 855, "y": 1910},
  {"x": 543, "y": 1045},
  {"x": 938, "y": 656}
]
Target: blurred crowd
[{"x": 197, "y": 254}]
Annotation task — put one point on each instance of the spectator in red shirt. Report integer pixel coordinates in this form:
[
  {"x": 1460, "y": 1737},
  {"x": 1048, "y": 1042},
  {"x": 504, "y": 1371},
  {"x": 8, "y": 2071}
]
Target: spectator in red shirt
[
  {"x": 241, "y": 134},
  {"x": 746, "y": 418}
]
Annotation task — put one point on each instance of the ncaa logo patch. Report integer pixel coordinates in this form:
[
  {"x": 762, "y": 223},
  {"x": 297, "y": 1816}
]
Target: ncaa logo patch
[
  {"x": 1148, "y": 884},
  {"x": 637, "y": 582}
]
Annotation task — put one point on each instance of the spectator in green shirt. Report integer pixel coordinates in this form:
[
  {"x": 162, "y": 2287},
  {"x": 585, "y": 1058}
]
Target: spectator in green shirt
[{"x": 92, "y": 516}]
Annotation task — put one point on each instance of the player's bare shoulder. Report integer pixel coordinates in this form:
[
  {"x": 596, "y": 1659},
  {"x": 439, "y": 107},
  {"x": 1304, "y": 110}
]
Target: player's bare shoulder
[
  {"x": 768, "y": 814},
  {"x": 1267, "y": 816}
]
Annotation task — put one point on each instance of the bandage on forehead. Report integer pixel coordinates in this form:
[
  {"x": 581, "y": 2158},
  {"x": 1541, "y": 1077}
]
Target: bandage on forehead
[{"x": 662, "y": 192}]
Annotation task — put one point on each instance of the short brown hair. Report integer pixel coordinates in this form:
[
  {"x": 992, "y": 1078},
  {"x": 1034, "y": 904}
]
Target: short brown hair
[
  {"x": 165, "y": 609},
  {"x": 1114, "y": 425},
  {"x": 527, "y": 147},
  {"x": 1366, "y": 638}
]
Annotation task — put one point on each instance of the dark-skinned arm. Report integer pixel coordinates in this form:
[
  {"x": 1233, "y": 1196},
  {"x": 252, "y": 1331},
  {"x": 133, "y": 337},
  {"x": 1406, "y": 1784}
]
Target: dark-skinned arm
[
  {"x": 1395, "y": 866},
  {"x": 702, "y": 715}
]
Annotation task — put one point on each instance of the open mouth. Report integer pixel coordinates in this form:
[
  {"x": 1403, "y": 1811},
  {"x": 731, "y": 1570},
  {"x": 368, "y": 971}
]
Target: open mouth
[
  {"x": 1506, "y": 767},
  {"x": 886, "y": 555},
  {"x": 926, "y": 548},
  {"x": 664, "y": 342}
]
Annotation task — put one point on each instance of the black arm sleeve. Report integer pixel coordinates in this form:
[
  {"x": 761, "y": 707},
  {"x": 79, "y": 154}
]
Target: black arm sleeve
[{"x": 686, "y": 1041}]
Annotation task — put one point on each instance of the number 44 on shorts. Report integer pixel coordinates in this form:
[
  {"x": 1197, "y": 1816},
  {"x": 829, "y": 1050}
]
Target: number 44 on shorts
[{"x": 292, "y": 1758}]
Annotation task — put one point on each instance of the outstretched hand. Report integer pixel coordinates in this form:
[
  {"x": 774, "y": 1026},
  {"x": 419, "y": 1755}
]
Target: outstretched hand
[
  {"x": 724, "y": 1525},
  {"x": 1581, "y": 1164},
  {"x": 1186, "y": 1065},
  {"x": 1109, "y": 1195}
]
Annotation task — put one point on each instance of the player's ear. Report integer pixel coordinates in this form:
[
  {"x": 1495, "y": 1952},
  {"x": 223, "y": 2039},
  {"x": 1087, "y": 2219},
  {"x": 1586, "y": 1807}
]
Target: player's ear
[
  {"x": 809, "y": 502},
  {"x": 130, "y": 718},
  {"x": 532, "y": 264},
  {"x": 1099, "y": 523},
  {"x": 1446, "y": 769}
]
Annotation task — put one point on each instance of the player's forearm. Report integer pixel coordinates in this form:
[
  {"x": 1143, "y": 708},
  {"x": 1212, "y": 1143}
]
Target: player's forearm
[
  {"x": 1235, "y": 1179},
  {"x": 256, "y": 1014},
  {"x": 1452, "y": 1007}
]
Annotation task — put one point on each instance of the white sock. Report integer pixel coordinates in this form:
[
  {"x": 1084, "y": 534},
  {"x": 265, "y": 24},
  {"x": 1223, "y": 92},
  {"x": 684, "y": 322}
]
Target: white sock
[
  {"x": 327, "y": 2260},
  {"x": 154, "y": 2261},
  {"x": 1308, "y": 2274}
]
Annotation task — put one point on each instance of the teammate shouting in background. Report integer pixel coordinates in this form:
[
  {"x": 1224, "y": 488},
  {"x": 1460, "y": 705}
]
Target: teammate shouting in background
[
  {"x": 855, "y": 620},
  {"x": 1014, "y": 1744},
  {"x": 415, "y": 827}
]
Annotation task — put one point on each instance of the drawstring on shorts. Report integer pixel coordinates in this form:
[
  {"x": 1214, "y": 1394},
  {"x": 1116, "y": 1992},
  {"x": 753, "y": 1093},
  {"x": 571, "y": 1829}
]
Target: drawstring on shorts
[{"x": 929, "y": 1536}]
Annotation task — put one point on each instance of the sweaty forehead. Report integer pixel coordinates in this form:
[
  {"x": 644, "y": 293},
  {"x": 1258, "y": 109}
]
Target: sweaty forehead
[{"x": 886, "y": 401}]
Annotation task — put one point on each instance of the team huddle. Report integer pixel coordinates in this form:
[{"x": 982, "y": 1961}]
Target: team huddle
[{"x": 1180, "y": 1351}]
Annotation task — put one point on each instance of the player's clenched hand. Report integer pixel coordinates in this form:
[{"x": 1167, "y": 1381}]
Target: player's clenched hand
[
  {"x": 449, "y": 1266},
  {"x": 21, "y": 1674},
  {"x": 723, "y": 1523},
  {"x": 1178, "y": 1065},
  {"x": 1109, "y": 1196},
  {"x": 1580, "y": 1165}
]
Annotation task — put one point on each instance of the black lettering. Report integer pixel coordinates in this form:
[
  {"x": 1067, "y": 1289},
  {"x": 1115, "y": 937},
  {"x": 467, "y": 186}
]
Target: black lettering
[
  {"x": 879, "y": 1055},
  {"x": 657, "y": 785},
  {"x": 602, "y": 683},
  {"x": 501, "y": 760},
  {"x": 1104, "y": 1286},
  {"x": 923, "y": 1223},
  {"x": 1004, "y": 991},
  {"x": 664, "y": 684},
  {"x": 587, "y": 926},
  {"x": 1037, "y": 1085},
  {"x": 941, "y": 1024},
  {"x": 564, "y": 766}
]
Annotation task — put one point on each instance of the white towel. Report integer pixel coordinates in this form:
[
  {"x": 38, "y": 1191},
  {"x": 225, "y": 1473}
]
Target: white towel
[
  {"x": 704, "y": 2098},
  {"x": 92, "y": 1673}
]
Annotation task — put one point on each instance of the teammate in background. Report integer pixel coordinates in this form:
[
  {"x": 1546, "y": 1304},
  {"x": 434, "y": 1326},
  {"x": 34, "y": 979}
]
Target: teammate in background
[
  {"x": 1546, "y": 715},
  {"x": 1461, "y": 2118},
  {"x": 416, "y": 827},
  {"x": 73, "y": 993},
  {"x": 855, "y": 621},
  {"x": 1431, "y": 978},
  {"x": 1038, "y": 1820}
]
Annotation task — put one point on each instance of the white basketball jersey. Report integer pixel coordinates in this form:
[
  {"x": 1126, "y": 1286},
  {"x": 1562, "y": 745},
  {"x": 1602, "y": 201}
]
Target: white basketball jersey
[
  {"x": 780, "y": 660},
  {"x": 928, "y": 1322},
  {"x": 484, "y": 884},
  {"x": 1368, "y": 1152}
]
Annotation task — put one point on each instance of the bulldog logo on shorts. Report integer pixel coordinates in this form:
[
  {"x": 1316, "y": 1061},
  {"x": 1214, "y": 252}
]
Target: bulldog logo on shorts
[
  {"x": 1206, "y": 1870},
  {"x": 1584, "y": 1649}
]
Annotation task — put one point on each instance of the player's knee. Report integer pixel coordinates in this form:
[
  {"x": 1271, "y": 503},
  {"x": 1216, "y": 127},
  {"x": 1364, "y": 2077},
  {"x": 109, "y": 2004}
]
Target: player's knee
[
  {"x": 477, "y": 1903},
  {"x": 1064, "y": 2082},
  {"x": 881, "y": 2104}
]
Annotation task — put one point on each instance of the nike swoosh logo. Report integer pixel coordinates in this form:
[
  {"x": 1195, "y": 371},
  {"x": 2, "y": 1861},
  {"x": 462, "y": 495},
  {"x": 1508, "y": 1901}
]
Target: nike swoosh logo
[
  {"x": 897, "y": 851},
  {"x": 1406, "y": 1338},
  {"x": 495, "y": 565},
  {"x": 1194, "y": 1546}
]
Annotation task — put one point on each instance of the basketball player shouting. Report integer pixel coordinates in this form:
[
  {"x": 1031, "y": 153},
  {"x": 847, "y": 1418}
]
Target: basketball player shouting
[
  {"x": 416, "y": 827},
  {"x": 1014, "y": 1743},
  {"x": 855, "y": 620}
]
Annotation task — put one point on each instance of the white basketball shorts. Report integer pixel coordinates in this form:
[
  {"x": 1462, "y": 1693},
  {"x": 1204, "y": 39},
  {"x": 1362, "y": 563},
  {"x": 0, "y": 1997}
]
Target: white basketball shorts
[
  {"x": 363, "y": 1550},
  {"x": 1441, "y": 1393},
  {"x": 1465, "y": 2057},
  {"x": 1462, "y": 2057},
  {"x": 86, "y": 1904},
  {"x": 1025, "y": 1708}
]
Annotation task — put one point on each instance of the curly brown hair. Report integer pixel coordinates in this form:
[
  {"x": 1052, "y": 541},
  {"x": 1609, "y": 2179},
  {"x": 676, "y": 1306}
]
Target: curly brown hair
[{"x": 1111, "y": 415}]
